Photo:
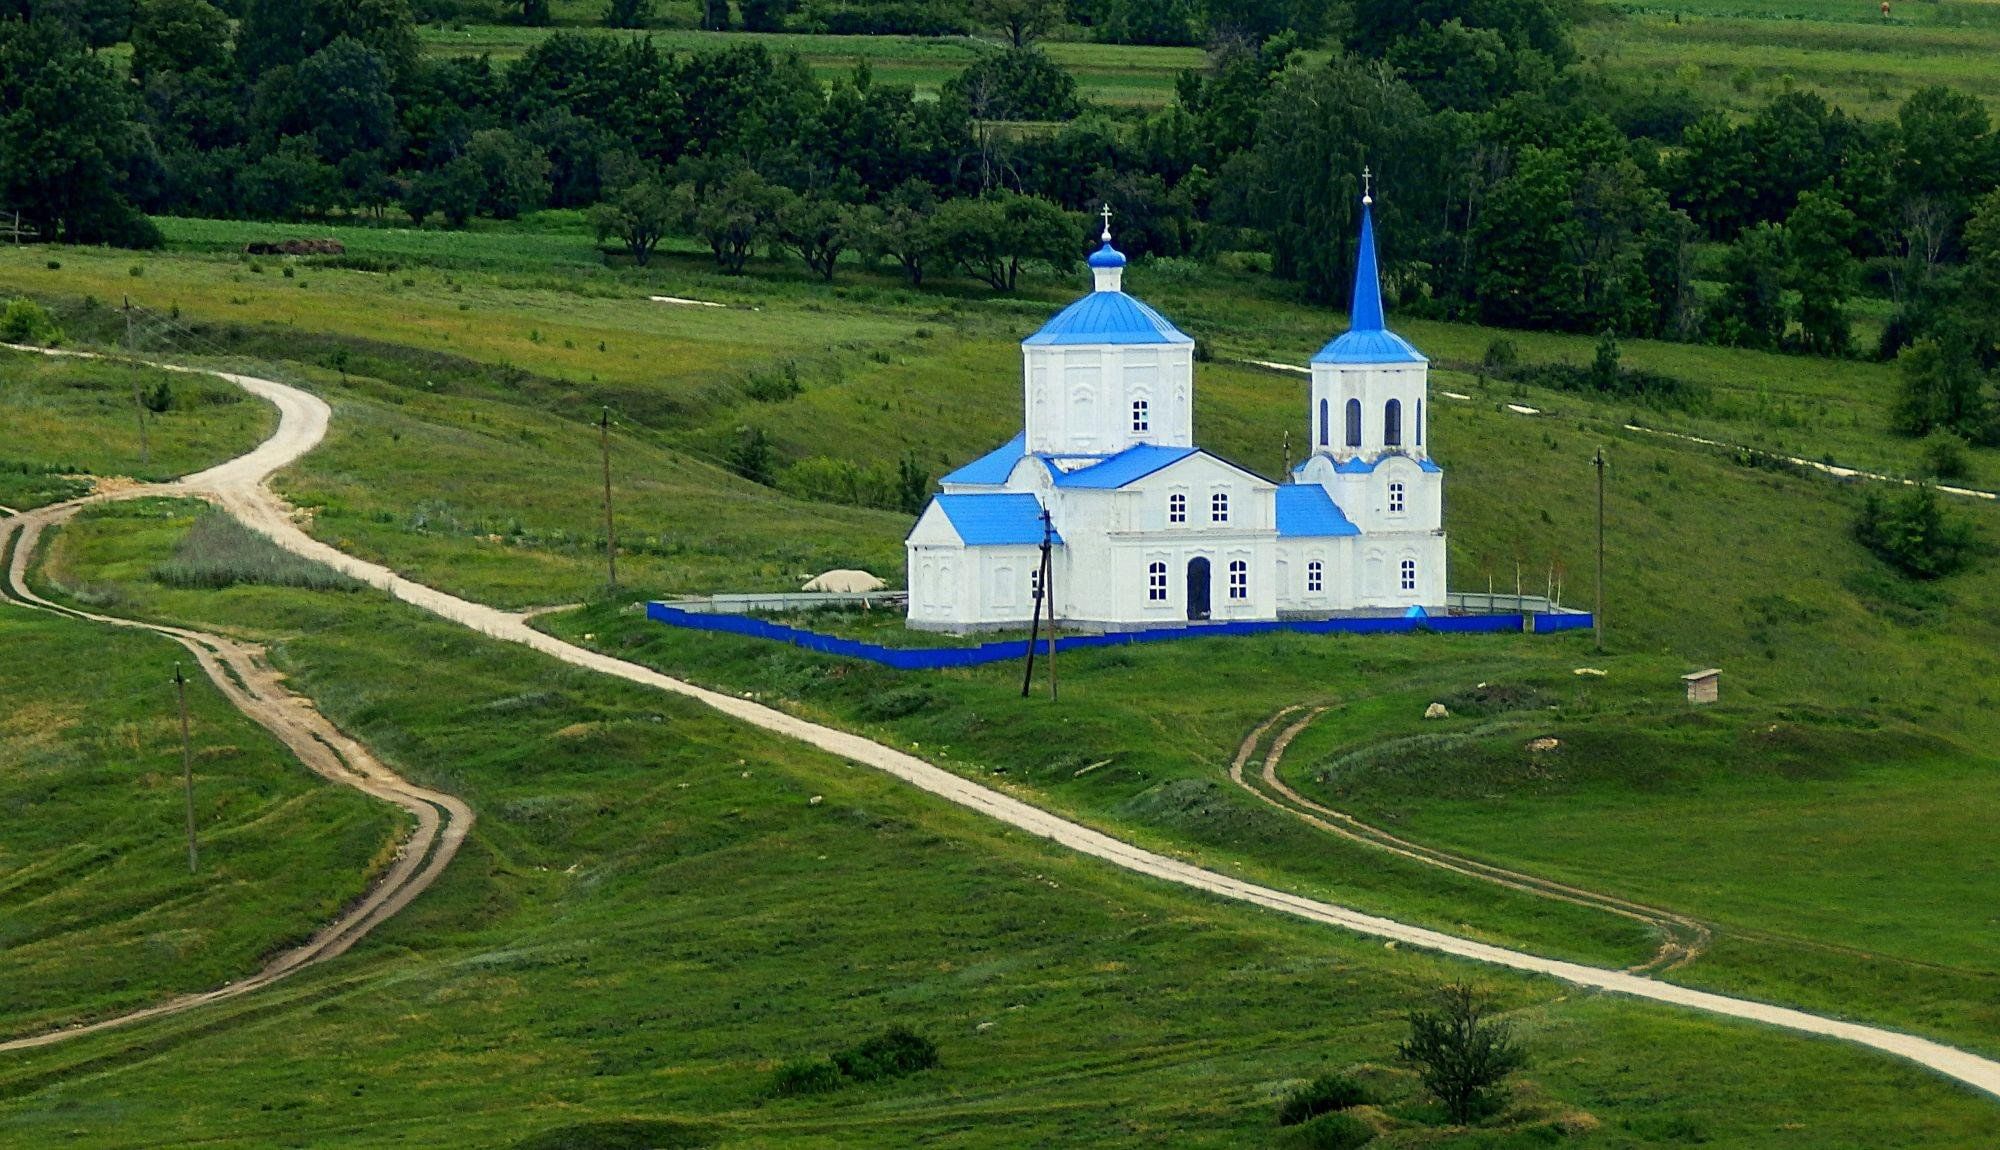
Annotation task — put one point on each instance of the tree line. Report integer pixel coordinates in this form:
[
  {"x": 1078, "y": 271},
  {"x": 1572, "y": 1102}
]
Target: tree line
[{"x": 1514, "y": 186}]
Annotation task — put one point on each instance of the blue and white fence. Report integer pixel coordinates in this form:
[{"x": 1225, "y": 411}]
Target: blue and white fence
[{"x": 934, "y": 658}]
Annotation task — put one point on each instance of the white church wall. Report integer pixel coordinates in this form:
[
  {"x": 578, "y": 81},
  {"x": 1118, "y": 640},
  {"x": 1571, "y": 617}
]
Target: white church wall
[{"x": 1079, "y": 397}]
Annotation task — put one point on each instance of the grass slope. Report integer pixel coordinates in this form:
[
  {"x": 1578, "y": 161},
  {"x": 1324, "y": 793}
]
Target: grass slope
[
  {"x": 64, "y": 420},
  {"x": 653, "y": 912},
  {"x": 97, "y": 910}
]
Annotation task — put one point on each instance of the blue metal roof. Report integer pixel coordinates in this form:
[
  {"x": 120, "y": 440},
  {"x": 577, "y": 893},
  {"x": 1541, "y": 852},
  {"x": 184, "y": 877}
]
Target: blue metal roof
[
  {"x": 992, "y": 468},
  {"x": 1107, "y": 257},
  {"x": 1426, "y": 465},
  {"x": 1107, "y": 317},
  {"x": 1368, "y": 338},
  {"x": 1355, "y": 466},
  {"x": 1305, "y": 509},
  {"x": 1126, "y": 467},
  {"x": 998, "y": 519}
]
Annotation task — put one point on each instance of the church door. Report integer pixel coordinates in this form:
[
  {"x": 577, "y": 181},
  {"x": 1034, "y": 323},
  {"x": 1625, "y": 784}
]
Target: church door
[{"x": 1197, "y": 589}]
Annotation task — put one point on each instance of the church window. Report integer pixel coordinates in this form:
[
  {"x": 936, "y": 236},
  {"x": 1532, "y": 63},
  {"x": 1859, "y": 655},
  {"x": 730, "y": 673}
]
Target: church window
[
  {"x": 1409, "y": 574},
  {"x": 1177, "y": 508},
  {"x": 1156, "y": 582},
  {"x": 1315, "y": 577},
  {"x": 1218, "y": 507},
  {"x": 1239, "y": 579},
  {"x": 1392, "y": 423},
  {"x": 1034, "y": 584},
  {"x": 1395, "y": 499},
  {"x": 1419, "y": 421},
  {"x": 1142, "y": 416},
  {"x": 1353, "y": 423},
  {"x": 1325, "y": 420}
]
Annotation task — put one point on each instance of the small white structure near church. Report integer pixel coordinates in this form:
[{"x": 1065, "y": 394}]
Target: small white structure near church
[{"x": 1149, "y": 530}]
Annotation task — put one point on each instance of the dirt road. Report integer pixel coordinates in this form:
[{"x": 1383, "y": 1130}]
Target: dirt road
[{"x": 239, "y": 487}]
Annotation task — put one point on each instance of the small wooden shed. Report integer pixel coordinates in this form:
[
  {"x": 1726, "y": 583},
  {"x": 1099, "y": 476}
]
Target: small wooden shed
[{"x": 1703, "y": 686}]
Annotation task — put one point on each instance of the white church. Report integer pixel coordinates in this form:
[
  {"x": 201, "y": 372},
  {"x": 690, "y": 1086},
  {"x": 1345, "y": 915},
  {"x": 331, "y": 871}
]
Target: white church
[{"x": 1148, "y": 530}]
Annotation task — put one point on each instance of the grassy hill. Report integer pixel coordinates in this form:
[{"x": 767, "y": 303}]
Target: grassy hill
[{"x": 654, "y": 912}]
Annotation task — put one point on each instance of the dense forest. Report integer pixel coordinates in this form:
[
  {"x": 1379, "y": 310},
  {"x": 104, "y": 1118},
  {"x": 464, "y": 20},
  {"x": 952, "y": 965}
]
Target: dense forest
[{"x": 1516, "y": 188}]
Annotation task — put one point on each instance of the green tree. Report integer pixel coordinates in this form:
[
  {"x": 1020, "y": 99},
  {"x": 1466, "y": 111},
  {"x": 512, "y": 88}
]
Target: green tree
[
  {"x": 1913, "y": 533},
  {"x": 1751, "y": 312},
  {"x": 535, "y": 13},
  {"x": 515, "y": 173},
  {"x": 452, "y": 191},
  {"x": 764, "y": 15},
  {"x": 817, "y": 228},
  {"x": 903, "y": 228},
  {"x": 1017, "y": 84},
  {"x": 1940, "y": 388},
  {"x": 1021, "y": 21},
  {"x": 1317, "y": 129},
  {"x": 732, "y": 217},
  {"x": 65, "y": 137},
  {"x": 1461, "y": 1050},
  {"x": 288, "y": 182},
  {"x": 1823, "y": 270},
  {"x": 277, "y": 33},
  {"x": 993, "y": 236},
  {"x": 179, "y": 37},
  {"x": 628, "y": 13},
  {"x": 639, "y": 214},
  {"x": 715, "y": 15},
  {"x": 750, "y": 455}
]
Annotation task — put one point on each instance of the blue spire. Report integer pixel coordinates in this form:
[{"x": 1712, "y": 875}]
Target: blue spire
[
  {"x": 1366, "y": 312},
  {"x": 1368, "y": 339}
]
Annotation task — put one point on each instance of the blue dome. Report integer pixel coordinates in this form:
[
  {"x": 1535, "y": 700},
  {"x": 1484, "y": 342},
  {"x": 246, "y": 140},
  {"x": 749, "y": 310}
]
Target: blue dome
[
  {"x": 1107, "y": 257},
  {"x": 1107, "y": 317}
]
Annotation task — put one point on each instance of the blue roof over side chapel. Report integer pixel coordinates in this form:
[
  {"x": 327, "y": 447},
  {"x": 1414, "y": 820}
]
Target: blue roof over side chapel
[
  {"x": 1127, "y": 467},
  {"x": 1305, "y": 509},
  {"x": 998, "y": 519},
  {"x": 1368, "y": 338},
  {"x": 992, "y": 468}
]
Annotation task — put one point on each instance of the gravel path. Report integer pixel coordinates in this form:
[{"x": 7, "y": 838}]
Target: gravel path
[{"x": 238, "y": 486}]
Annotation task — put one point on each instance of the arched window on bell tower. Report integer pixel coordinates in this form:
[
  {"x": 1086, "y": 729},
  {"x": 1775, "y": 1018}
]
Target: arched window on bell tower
[
  {"x": 1353, "y": 423},
  {"x": 1325, "y": 428},
  {"x": 1392, "y": 423}
]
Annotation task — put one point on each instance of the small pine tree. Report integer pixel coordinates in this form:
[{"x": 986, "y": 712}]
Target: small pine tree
[
  {"x": 913, "y": 486},
  {"x": 750, "y": 456},
  {"x": 1461, "y": 1051},
  {"x": 1604, "y": 369}
]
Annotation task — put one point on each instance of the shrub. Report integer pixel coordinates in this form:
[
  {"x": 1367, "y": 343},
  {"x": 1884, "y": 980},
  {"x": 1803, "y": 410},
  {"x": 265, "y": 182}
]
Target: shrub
[
  {"x": 895, "y": 703},
  {"x": 806, "y": 1076},
  {"x": 1913, "y": 533},
  {"x": 1501, "y": 354},
  {"x": 219, "y": 552},
  {"x": 26, "y": 321},
  {"x": 1323, "y": 1095},
  {"x": 1944, "y": 456},
  {"x": 1461, "y": 1051},
  {"x": 891, "y": 1054},
  {"x": 1329, "y": 1132}
]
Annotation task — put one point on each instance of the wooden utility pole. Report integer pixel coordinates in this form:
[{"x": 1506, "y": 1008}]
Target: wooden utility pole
[
  {"x": 1597, "y": 616},
  {"x": 1035, "y": 628},
  {"x": 187, "y": 763},
  {"x": 610, "y": 531},
  {"x": 1044, "y": 592},
  {"x": 138, "y": 397}
]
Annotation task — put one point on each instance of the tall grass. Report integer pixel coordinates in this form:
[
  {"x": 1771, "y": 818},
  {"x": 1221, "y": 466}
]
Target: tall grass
[{"x": 219, "y": 552}]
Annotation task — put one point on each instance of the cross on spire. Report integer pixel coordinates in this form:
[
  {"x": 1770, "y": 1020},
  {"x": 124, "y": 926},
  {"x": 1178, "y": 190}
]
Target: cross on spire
[
  {"x": 1106, "y": 213},
  {"x": 1367, "y": 186}
]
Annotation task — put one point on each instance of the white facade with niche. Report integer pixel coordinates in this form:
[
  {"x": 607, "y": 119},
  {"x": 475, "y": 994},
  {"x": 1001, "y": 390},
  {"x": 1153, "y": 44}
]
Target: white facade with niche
[{"x": 1146, "y": 529}]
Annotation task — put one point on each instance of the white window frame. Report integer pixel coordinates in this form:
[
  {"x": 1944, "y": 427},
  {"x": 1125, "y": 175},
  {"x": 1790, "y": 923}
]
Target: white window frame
[
  {"x": 1315, "y": 577},
  {"x": 1142, "y": 416},
  {"x": 1034, "y": 583},
  {"x": 1156, "y": 581},
  {"x": 1408, "y": 571},
  {"x": 1398, "y": 498},
  {"x": 1239, "y": 580},
  {"x": 1177, "y": 507},
  {"x": 1218, "y": 507}
]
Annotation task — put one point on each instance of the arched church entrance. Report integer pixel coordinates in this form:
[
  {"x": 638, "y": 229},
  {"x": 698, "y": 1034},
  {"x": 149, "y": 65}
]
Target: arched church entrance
[{"x": 1197, "y": 589}]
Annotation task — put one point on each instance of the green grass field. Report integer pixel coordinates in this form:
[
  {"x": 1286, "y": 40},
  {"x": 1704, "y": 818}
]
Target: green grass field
[
  {"x": 653, "y": 913},
  {"x": 98, "y": 913},
  {"x": 68, "y": 420}
]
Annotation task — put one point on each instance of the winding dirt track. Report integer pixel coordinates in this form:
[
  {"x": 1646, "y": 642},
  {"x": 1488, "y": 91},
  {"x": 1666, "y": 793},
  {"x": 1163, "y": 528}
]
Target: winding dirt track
[
  {"x": 1682, "y": 939},
  {"x": 238, "y": 486}
]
